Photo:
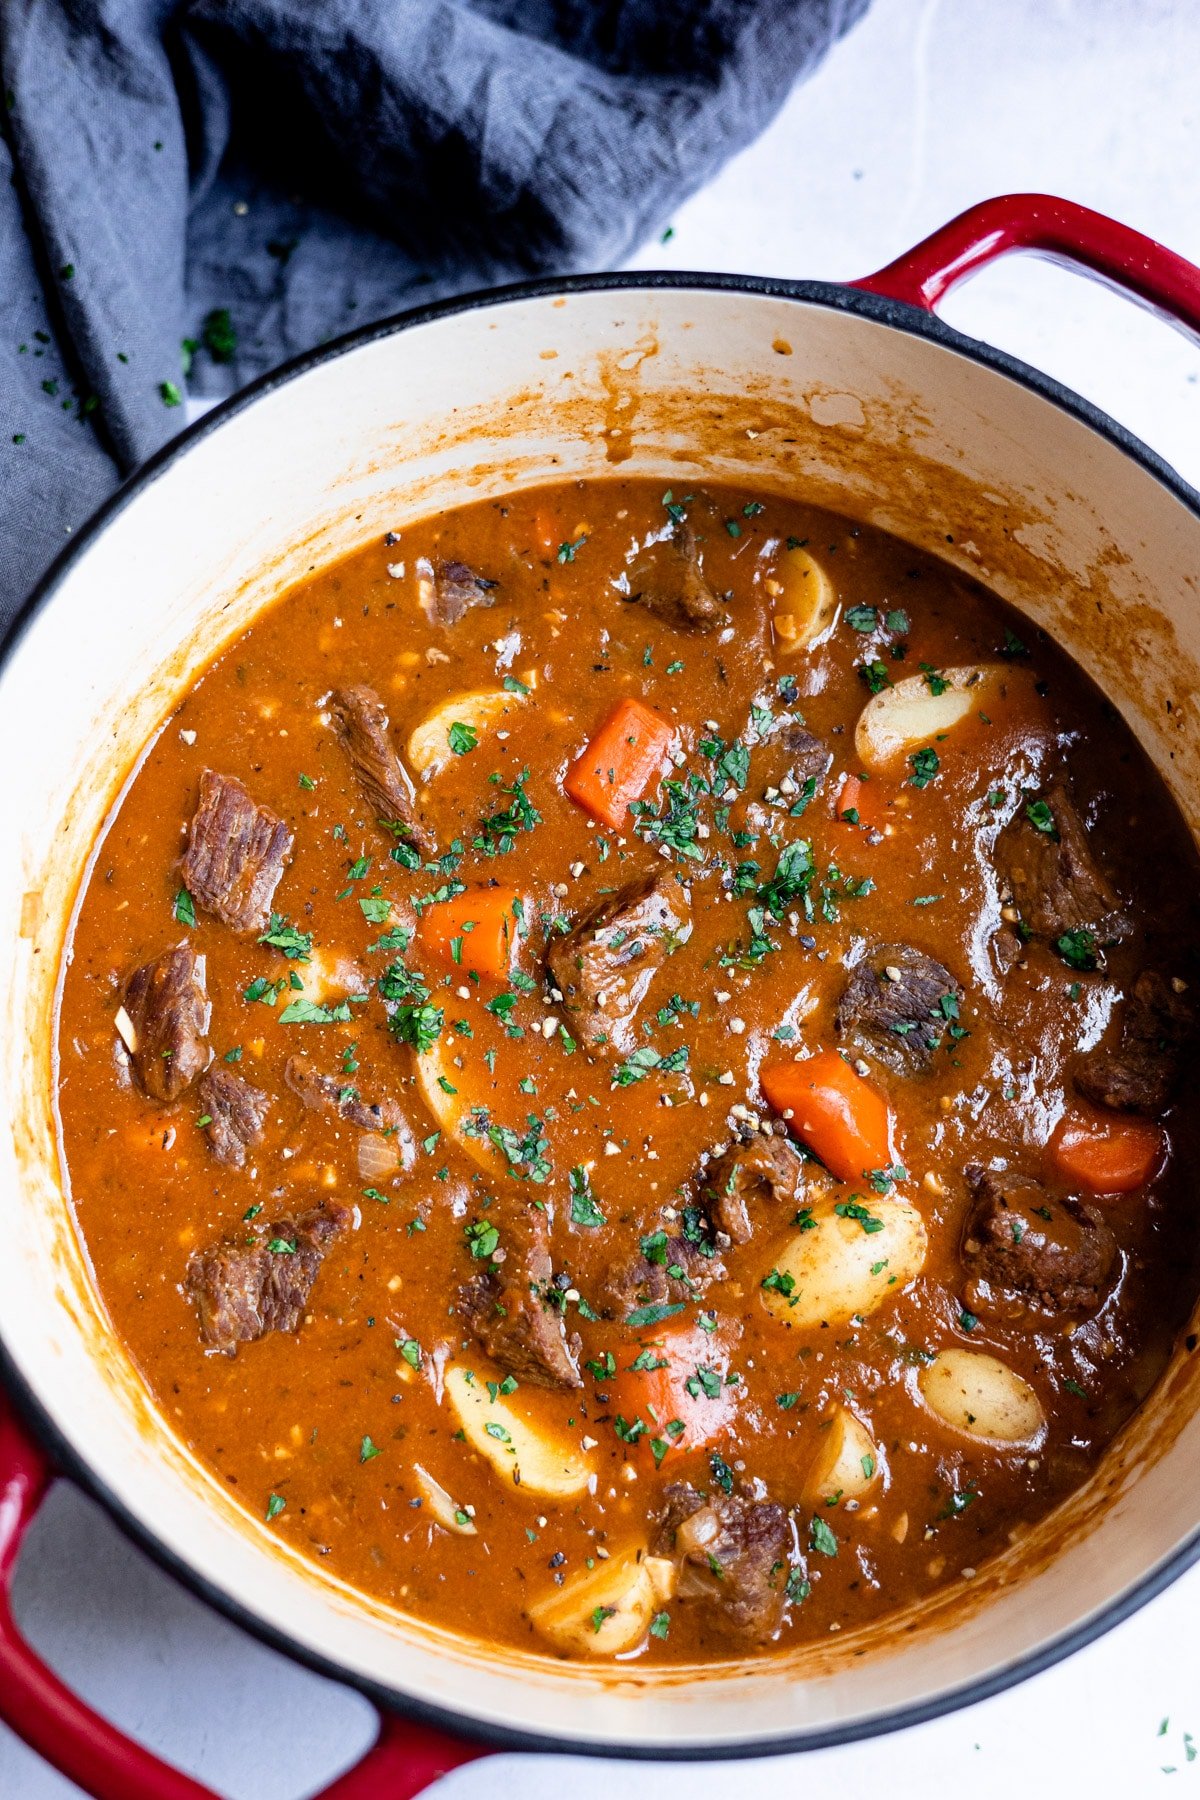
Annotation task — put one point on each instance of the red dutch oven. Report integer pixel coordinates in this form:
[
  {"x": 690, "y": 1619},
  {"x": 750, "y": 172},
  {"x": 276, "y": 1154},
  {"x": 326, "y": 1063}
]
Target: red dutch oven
[{"x": 859, "y": 397}]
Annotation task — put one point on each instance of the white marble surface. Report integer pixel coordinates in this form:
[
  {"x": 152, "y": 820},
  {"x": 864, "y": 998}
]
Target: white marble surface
[{"x": 926, "y": 108}]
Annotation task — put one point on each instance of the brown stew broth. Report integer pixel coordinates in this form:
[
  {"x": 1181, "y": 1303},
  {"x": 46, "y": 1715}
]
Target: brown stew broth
[{"x": 299, "y": 1416}]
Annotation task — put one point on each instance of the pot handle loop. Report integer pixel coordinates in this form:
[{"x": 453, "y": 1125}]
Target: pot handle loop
[
  {"x": 1060, "y": 230},
  {"x": 99, "y": 1757}
]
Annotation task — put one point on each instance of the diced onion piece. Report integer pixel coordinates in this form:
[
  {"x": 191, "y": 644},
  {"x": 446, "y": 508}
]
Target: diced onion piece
[
  {"x": 446, "y": 1511},
  {"x": 530, "y": 1456},
  {"x": 846, "y": 1463},
  {"x": 981, "y": 1397},
  {"x": 378, "y": 1156},
  {"x": 807, "y": 605},
  {"x": 126, "y": 1031},
  {"x": 609, "y": 1609},
  {"x": 429, "y": 746},
  {"x": 842, "y": 1264},
  {"x": 901, "y": 719}
]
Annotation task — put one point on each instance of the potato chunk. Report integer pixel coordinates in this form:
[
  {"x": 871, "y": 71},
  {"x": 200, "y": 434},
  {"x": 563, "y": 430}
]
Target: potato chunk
[
  {"x": 610, "y": 1608},
  {"x": 842, "y": 1264},
  {"x": 530, "y": 1455},
  {"x": 806, "y": 605},
  {"x": 903, "y": 718},
  {"x": 433, "y": 742},
  {"x": 982, "y": 1397},
  {"x": 846, "y": 1464}
]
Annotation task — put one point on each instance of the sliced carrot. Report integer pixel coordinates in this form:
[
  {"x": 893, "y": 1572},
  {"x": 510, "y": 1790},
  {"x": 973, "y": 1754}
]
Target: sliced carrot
[
  {"x": 861, "y": 802},
  {"x": 841, "y": 1117},
  {"x": 676, "y": 1378},
  {"x": 620, "y": 762},
  {"x": 1107, "y": 1153},
  {"x": 473, "y": 932}
]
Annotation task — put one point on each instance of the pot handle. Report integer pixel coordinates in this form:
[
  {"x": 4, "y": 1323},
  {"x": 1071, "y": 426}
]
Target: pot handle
[
  {"x": 97, "y": 1756},
  {"x": 1060, "y": 230}
]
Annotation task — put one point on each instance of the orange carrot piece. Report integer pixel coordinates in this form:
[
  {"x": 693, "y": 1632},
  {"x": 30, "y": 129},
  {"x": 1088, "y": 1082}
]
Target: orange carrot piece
[
  {"x": 866, "y": 801},
  {"x": 620, "y": 762},
  {"x": 1107, "y": 1153},
  {"x": 473, "y": 932},
  {"x": 841, "y": 1117},
  {"x": 680, "y": 1390}
]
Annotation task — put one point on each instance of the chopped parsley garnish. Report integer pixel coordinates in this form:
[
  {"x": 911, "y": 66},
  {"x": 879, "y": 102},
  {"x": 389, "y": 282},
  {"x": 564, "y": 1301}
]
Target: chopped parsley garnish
[
  {"x": 184, "y": 908},
  {"x": 925, "y": 765},
  {"x": 310, "y": 1012},
  {"x": 821, "y": 1537},
  {"x": 584, "y": 1210},
  {"x": 876, "y": 676},
  {"x": 854, "y": 1209},
  {"x": 498, "y": 832},
  {"x": 462, "y": 738},
  {"x": 1078, "y": 949},
  {"x": 653, "y": 1315},
  {"x": 482, "y": 1238},
  {"x": 295, "y": 944}
]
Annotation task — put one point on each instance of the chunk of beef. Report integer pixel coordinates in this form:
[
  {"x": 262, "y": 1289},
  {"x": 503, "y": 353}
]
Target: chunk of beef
[
  {"x": 235, "y": 855},
  {"x": 670, "y": 583},
  {"x": 331, "y": 1093},
  {"x": 1139, "y": 1073},
  {"x": 608, "y": 960},
  {"x": 1044, "y": 860},
  {"x": 168, "y": 1008},
  {"x": 235, "y": 1114},
  {"x": 361, "y": 722},
  {"x": 449, "y": 589},
  {"x": 508, "y": 1307},
  {"x": 1050, "y": 1251},
  {"x": 809, "y": 762},
  {"x": 732, "y": 1554},
  {"x": 666, "y": 1271},
  {"x": 898, "y": 1005},
  {"x": 764, "y": 1169},
  {"x": 244, "y": 1290}
]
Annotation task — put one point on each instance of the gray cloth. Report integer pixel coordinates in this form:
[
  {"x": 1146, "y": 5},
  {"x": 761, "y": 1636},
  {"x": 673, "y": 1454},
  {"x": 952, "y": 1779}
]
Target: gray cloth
[{"x": 249, "y": 178}]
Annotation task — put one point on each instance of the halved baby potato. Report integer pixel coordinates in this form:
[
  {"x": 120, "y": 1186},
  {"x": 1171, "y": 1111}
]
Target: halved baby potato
[
  {"x": 981, "y": 1397},
  {"x": 432, "y": 742},
  {"x": 531, "y": 1456},
  {"x": 901, "y": 719},
  {"x": 839, "y": 1265},
  {"x": 610, "y": 1608},
  {"x": 846, "y": 1465},
  {"x": 806, "y": 605}
]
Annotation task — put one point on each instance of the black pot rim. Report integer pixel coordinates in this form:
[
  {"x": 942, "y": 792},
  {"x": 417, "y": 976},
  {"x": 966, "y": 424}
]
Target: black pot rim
[{"x": 67, "y": 1460}]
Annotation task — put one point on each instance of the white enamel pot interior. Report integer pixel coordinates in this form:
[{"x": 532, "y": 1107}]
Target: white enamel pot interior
[{"x": 845, "y": 399}]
